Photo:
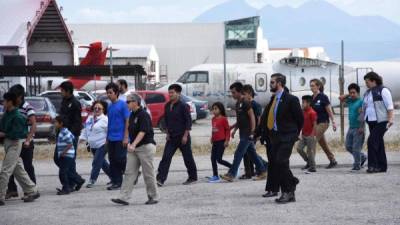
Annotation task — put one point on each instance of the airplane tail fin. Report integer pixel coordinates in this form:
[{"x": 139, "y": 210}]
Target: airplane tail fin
[{"x": 95, "y": 56}]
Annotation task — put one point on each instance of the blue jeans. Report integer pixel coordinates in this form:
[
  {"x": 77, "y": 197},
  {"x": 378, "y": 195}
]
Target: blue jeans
[
  {"x": 65, "y": 165},
  {"x": 246, "y": 145},
  {"x": 117, "y": 155},
  {"x": 354, "y": 144},
  {"x": 99, "y": 162}
]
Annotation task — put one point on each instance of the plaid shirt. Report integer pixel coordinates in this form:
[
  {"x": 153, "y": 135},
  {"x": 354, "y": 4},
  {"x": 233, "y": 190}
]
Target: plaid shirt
[{"x": 65, "y": 137}]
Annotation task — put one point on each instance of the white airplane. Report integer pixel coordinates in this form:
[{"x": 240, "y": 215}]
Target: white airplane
[{"x": 206, "y": 81}]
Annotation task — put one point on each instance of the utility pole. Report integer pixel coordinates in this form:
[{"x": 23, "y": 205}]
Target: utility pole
[
  {"x": 111, "y": 64},
  {"x": 341, "y": 85},
  {"x": 224, "y": 49}
]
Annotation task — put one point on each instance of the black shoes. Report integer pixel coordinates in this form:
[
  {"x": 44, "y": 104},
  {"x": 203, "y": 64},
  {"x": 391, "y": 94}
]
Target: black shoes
[
  {"x": 79, "y": 185},
  {"x": 244, "y": 177},
  {"x": 189, "y": 181},
  {"x": 31, "y": 197},
  {"x": 331, "y": 165},
  {"x": 151, "y": 201},
  {"x": 114, "y": 187},
  {"x": 305, "y": 167},
  {"x": 286, "y": 197},
  {"x": 270, "y": 194},
  {"x": 62, "y": 192},
  {"x": 119, "y": 201},
  {"x": 363, "y": 161},
  {"x": 2, "y": 203},
  {"x": 375, "y": 170}
]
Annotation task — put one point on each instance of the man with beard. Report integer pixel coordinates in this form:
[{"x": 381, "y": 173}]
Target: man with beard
[{"x": 280, "y": 126}]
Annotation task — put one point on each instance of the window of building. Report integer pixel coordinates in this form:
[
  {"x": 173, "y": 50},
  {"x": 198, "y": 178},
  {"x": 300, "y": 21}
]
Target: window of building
[{"x": 241, "y": 33}]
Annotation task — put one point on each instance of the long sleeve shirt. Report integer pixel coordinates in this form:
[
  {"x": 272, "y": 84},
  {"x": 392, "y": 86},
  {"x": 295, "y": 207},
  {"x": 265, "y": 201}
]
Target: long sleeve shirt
[
  {"x": 177, "y": 118},
  {"x": 95, "y": 131}
]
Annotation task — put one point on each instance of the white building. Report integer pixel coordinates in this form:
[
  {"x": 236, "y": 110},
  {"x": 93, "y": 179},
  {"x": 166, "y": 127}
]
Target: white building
[
  {"x": 183, "y": 45},
  {"x": 32, "y": 32}
]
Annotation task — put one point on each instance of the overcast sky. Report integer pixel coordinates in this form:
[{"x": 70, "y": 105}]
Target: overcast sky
[{"x": 126, "y": 11}]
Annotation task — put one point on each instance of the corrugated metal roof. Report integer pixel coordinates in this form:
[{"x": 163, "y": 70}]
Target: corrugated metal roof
[{"x": 23, "y": 20}]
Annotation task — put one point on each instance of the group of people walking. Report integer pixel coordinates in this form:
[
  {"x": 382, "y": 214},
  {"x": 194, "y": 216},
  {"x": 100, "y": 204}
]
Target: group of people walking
[{"x": 122, "y": 129}]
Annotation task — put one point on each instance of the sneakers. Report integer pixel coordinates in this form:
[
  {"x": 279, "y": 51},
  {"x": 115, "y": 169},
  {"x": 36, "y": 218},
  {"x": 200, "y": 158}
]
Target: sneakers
[
  {"x": 119, "y": 201},
  {"x": 261, "y": 176},
  {"x": 363, "y": 161},
  {"x": 310, "y": 170},
  {"x": 90, "y": 184},
  {"x": 31, "y": 197},
  {"x": 331, "y": 165},
  {"x": 227, "y": 177},
  {"x": 160, "y": 183},
  {"x": 355, "y": 168},
  {"x": 114, "y": 187},
  {"x": 214, "y": 179},
  {"x": 11, "y": 194},
  {"x": 189, "y": 181},
  {"x": 151, "y": 201}
]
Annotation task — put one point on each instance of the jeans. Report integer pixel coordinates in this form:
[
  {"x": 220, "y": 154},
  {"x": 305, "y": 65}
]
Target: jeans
[
  {"x": 354, "y": 144},
  {"x": 376, "y": 145},
  {"x": 217, "y": 152},
  {"x": 246, "y": 145},
  {"x": 170, "y": 148},
  {"x": 117, "y": 156},
  {"x": 65, "y": 165},
  {"x": 27, "y": 158},
  {"x": 99, "y": 162}
]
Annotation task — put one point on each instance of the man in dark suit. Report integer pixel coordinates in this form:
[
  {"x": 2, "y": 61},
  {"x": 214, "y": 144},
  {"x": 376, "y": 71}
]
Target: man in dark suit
[{"x": 280, "y": 126}]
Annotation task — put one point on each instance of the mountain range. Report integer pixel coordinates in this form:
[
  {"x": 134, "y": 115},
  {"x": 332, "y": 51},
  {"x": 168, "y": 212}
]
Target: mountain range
[{"x": 317, "y": 23}]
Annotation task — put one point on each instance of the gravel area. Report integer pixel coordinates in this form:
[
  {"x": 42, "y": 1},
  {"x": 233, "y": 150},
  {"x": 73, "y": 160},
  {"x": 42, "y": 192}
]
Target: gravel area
[{"x": 335, "y": 196}]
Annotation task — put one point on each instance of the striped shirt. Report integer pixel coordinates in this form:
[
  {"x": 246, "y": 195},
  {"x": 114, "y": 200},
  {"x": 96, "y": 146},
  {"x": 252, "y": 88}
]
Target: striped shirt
[
  {"x": 27, "y": 110},
  {"x": 65, "y": 137}
]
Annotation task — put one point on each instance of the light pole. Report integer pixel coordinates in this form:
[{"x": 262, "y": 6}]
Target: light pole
[{"x": 111, "y": 62}]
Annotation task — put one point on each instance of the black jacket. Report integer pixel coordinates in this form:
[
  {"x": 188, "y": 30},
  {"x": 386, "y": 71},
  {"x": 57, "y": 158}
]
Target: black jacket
[
  {"x": 71, "y": 112},
  {"x": 289, "y": 117}
]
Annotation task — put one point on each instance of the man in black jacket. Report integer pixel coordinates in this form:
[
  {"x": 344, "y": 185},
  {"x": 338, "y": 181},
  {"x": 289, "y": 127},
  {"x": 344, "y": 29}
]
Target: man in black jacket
[
  {"x": 71, "y": 112},
  {"x": 280, "y": 126}
]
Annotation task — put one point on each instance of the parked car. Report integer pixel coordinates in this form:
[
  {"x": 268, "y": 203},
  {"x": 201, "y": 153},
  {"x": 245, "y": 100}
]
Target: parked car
[
  {"x": 201, "y": 108},
  {"x": 156, "y": 101},
  {"x": 56, "y": 97},
  {"x": 193, "y": 112},
  {"x": 45, "y": 114}
]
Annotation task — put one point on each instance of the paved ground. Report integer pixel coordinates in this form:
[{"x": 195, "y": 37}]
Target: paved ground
[{"x": 334, "y": 196}]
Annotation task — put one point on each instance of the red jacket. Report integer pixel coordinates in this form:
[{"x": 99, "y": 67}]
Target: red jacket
[{"x": 220, "y": 129}]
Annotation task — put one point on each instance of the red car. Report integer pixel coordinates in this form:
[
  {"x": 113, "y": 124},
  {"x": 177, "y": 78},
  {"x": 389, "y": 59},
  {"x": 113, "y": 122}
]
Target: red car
[{"x": 155, "y": 101}]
